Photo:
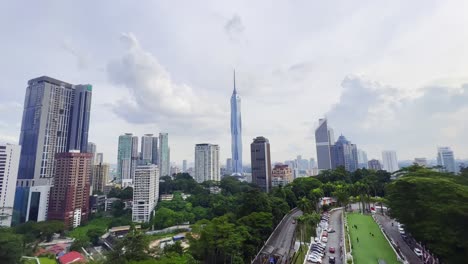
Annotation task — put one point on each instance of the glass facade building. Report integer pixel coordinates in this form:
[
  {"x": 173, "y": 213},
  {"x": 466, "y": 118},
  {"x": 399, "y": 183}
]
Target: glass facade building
[{"x": 236, "y": 132}]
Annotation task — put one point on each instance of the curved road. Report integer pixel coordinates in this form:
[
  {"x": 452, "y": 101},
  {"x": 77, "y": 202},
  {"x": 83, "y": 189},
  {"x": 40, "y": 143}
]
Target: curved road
[{"x": 280, "y": 241}]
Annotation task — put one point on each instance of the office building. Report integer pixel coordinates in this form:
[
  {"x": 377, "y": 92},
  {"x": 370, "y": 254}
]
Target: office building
[
  {"x": 9, "y": 163},
  {"x": 69, "y": 197},
  {"x": 91, "y": 148},
  {"x": 374, "y": 165},
  {"x": 421, "y": 162},
  {"x": 184, "y": 166},
  {"x": 145, "y": 192},
  {"x": 323, "y": 141},
  {"x": 155, "y": 151},
  {"x": 228, "y": 166},
  {"x": 55, "y": 120},
  {"x": 134, "y": 160},
  {"x": 236, "y": 132},
  {"x": 147, "y": 149},
  {"x": 390, "y": 161},
  {"x": 99, "y": 158},
  {"x": 164, "y": 155},
  {"x": 344, "y": 154},
  {"x": 261, "y": 163},
  {"x": 100, "y": 177},
  {"x": 446, "y": 159},
  {"x": 362, "y": 159},
  {"x": 124, "y": 159},
  {"x": 207, "y": 163},
  {"x": 312, "y": 164},
  {"x": 281, "y": 175}
]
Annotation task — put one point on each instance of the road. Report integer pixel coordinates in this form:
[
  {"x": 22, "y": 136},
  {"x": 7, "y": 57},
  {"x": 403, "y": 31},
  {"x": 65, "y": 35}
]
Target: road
[
  {"x": 334, "y": 239},
  {"x": 281, "y": 240},
  {"x": 394, "y": 234}
]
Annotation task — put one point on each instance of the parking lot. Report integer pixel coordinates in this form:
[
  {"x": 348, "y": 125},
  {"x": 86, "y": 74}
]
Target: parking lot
[{"x": 331, "y": 225}]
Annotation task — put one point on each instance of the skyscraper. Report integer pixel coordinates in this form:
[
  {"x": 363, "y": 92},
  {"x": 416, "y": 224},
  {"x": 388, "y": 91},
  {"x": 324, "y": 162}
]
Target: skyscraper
[
  {"x": 91, "y": 148},
  {"x": 147, "y": 148},
  {"x": 135, "y": 157},
  {"x": 390, "y": 161},
  {"x": 124, "y": 159},
  {"x": 155, "y": 151},
  {"x": 207, "y": 163},
  {"x": 81, "y": 111},
  {"x": 164, "y": 155},
  {"x": 184, "y": 166},
  {"x": 362, "y": 159},
  {"x": 446, "y": 159},
  {"x": 323, "y": 142},
  {"x": 228, "y": 166},
  {"x": 343, "y": 153},
  {"x": 145, "y": 192},
  {"x": 55, "y": 119},
  {"x": 261, "y": 163},
  {"x": 9, "y": 161},
  {"x": 69, "y": 197},
  {"x": 374, "y": 165},
  {"x": 236, "y": 132}
]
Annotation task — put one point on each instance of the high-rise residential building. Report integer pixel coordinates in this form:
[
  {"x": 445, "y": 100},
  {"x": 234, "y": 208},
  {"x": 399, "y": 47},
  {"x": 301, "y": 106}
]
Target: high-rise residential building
[
  {"x": 362, "y": 159},
  {"x": 100, "y": 177},
  {"x": 390, "y": 161},
  {"x": 323, "y": 141},
  {"x": 124, "y": 159},
  {"x": 155, "y": 151},
  {"x": 236, "y": 132},
  {"x": 164, "y": 155},
  {"x": 344, "y": 154},
  {"x": 91, "y": 148},
  {"x": 9, "y": 162},
  {"x": 421, "y": 162},
  {"x": 145, "y": 192},
  {"x": 281, "y": 175},
  {"x": 184, "y": 166},
  {"x": 99, "y": 158},
  {"x": 261, "y": 163},
  {"x": 374, "y": 165},
  {"x": 446, "y": 159},
  {"x": 147, "y": 148},
  {"x": 55, "y": 120},
  {"x": 69, "y": 197},
  {"x": 228, "y": 166},
  {"x": 207, "y": 163}
]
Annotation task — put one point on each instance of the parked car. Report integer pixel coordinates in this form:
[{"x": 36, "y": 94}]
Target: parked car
[
  {"x": 324, "y": 239},
  {"x": 325, "y": 234},
  {"x": 418, "y": 252},
  {"x": 331, "y": 260},
  {"x": 331, "y": 250}
]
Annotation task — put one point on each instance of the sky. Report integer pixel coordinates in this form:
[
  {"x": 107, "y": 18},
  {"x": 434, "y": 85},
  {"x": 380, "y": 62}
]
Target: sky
[{"x": 389, "y": 75}]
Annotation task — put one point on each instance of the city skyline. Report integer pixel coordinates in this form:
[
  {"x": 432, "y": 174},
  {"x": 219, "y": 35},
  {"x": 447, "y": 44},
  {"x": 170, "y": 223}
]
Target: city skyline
[{"x": 380, "y": 73}]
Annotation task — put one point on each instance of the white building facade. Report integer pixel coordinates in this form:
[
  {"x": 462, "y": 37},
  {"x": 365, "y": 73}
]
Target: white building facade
[
  {"x": 446, "y": 159},
  {"x": 207, "y": 163},
  {"x": 145, "y": 192},
  {"x": 9, "y": 162},
  {"x": 390, "y": 161}
]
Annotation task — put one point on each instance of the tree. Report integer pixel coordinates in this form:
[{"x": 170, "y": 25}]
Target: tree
[
  {"x": 254, "y": 201},
  {"x": 434, "y": 209},
  {"x": 304, "y": 205},
  {"x": 11, "y": 246},
  {"x": 134, "y": 247},
  {"x": 94, "y": 234},
  {"x": 342, "y": 195},
  {"x": 80, "y": 243},
  {"x": 315, "y": 195},
  {"x": 118, "y": 208}
]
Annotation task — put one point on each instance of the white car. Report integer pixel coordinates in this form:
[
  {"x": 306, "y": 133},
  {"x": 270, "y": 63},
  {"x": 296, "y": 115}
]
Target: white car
[
  {"x": 418, "y": 252},
  {"x": 324, "y": 239}
]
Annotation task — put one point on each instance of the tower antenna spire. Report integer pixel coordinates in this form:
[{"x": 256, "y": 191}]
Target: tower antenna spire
[{"x": 235, "y": 81}]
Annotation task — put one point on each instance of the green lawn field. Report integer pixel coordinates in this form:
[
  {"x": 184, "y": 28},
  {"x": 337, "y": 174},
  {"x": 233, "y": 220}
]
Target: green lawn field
[{"x": 370, "y": 248}]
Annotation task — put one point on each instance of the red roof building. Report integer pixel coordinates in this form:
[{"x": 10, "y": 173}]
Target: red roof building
[{"x": 72, "y": 257}]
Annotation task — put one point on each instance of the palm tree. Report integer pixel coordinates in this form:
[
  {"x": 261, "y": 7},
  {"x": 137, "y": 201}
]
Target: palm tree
[{"x": 304, "y": 204}]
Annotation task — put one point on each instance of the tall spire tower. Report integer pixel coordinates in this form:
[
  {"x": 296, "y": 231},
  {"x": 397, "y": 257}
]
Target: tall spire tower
[{"x": 236, "y": 132}]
